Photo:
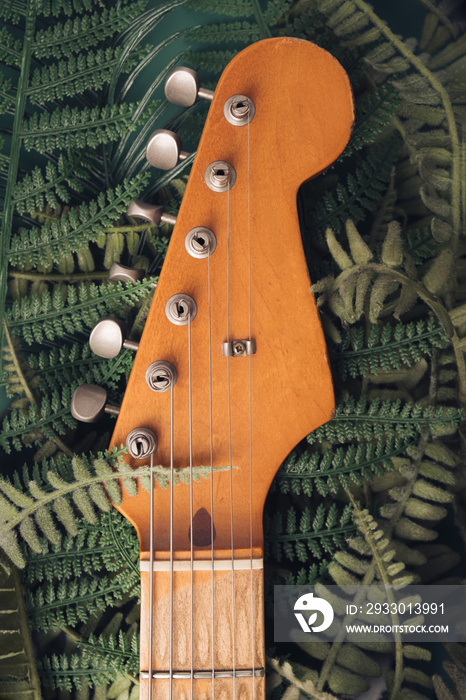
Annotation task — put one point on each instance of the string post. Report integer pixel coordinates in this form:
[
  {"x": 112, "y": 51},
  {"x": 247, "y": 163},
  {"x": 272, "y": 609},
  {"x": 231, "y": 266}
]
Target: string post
[
  {"x": 200, "y": 242},
  {"x": 181, "y": 309},
  {"x": 220, "y": 176},
  {"x": 161, "y": 376},
  {"x": 239, "y": 110},
  {"x": 141, "y": 443}
]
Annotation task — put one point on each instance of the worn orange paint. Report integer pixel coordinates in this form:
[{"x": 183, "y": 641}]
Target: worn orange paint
[{"x": 303, "y": 120}]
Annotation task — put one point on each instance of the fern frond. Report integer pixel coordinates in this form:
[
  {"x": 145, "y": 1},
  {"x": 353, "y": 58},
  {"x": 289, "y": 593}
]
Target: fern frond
[
  {"x": 361, "y": 192},
  {"x": 209, "y": 61},
  {"x": 51, "y": 185},
  {"x": 10, "y": 48},
  {"x": 49, "y": 418},
  {"x": 109, "y": 545},
  {"x": 234, "y": 32},
  {"x": 53, "y": 8},
  {"x": 312, "y": 536},
  {"x": 324, "y": 473},
  {"x": 76, "y": 363},
  {"x": 73, "y": 230},
  {"x": 18, "y": 671},
  {"x": 66, "y": 486},
  {"x": 56, "y": 605},
  {"x": 388, "y": 347},
  {"x": 365, "y": 420},
  {"x": 54, "y": 315},
  {"x": 82, "y": 32},
  {"x": 89, "y": 70},
  {"x": 233, "y": 8},
  {"x": 71, "y": 127},
  {"x": 373, "y": 113},
  {"x": 83, "y": 482}
]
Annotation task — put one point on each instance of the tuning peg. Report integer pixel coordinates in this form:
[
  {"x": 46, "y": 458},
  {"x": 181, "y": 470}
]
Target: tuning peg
[
  {"x": 183, "y": 87},
  {"x": 89, "y": 403},
  {"x": 164, "y": 149},
  {"x": 108, "y": 337},
  {"x": 121, "y": 273},
  {"x": 150, "y": 212}
]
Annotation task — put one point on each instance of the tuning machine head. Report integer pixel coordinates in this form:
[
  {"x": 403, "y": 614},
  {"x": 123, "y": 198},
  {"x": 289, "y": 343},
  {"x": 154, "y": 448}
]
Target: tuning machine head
[
  {"x": 121, "y": 273},
  {"x": 149, "y": 212},
  {"x": 108, "y": 337},
  {"x": 164, "y": 149},
  {"x": 183, "y": 87},
  {"x": 89, "y": 404}
]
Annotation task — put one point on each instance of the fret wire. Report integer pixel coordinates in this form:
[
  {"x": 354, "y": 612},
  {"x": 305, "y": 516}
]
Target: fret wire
[
  {"x": 191, "y": 497},
  {"x": 151, "y": 575}
]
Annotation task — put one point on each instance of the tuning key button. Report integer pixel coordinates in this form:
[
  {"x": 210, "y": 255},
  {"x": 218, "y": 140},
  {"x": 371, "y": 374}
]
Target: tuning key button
[
  {"x": 121, "y": 273},
  {"x": 108, "y": 337},
  {"x": 89, "y": 403},
  {"x": 183, "y": 87},
  {"x": 164, "y": 149},
  {"x": 150, "y": 212}
]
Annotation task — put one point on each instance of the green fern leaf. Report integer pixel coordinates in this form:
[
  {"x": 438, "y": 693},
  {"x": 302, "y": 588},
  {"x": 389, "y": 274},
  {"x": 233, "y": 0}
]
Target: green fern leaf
[
  {"x": 73, "y": 230},
  {"x": 365, "y": 420},
  {"x": 71, "y": 127},
  {"x": 388, "y": 347},
  {"x": 74, "y": 35}
]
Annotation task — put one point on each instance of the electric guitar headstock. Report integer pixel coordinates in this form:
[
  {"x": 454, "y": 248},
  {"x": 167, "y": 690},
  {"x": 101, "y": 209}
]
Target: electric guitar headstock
[{"x": 231, "y": 371}]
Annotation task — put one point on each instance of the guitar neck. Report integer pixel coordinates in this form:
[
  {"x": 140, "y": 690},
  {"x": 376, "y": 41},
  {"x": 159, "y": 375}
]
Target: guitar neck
[{"x": 210, "y": 613}]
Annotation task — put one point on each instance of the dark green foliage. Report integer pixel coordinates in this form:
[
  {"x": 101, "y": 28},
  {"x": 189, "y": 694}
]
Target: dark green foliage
[
  {"x": 241, "y": 33},
  {"x": 53, "y": 185},
  {"x": 74, "y": 229},
  {"x": 72, "y": 36},
  {"x": 326, "y": 473},
  {"x": 360, "y": 193},
  {"x": 69, "y": 364},
  {"x": 388, "y": 347},
  {"x": 30, "y": 426},
  {"x": 307, "y": 534},
  {"x": 365, "y": 420},
  {"x": 54, "y": 315},
  {"x": 234, "y": 8},
  {"x": 17, "y": 663},
  {"x": 74, "y": 127},
  {"x": 98, "y": 661},
  {"x": 59, "y": 604},
  {"x": 110, "y": 545},
  {"x": 374, "y": 112}
]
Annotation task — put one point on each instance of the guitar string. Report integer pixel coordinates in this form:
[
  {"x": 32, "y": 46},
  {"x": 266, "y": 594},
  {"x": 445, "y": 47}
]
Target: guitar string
[
  {"x": 230, "y": 453},
  {"x": 151, "y": 574},
  {"x": 250, "y": 413},
  {"x": 171, "y": 542},
  {"x": 191, "y": 499},
  {"x": 211, "y": 474}
]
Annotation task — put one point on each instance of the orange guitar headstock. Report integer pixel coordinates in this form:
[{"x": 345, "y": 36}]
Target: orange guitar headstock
[{"x": 246, "y": 373}]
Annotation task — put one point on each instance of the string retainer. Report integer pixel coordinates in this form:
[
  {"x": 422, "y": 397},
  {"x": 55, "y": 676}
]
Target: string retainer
[{"x": 238, "y": 348}]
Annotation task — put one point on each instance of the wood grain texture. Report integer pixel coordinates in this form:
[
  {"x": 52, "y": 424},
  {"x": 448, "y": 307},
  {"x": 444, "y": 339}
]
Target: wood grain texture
[
  {"x": 262, "y": 405},
  {"x": 212, "y": 594}
]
